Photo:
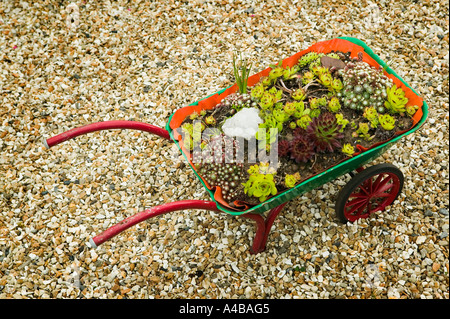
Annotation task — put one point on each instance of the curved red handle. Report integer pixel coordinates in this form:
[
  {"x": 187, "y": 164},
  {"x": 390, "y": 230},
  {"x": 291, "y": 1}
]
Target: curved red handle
[{"x": 107, "y": 125}]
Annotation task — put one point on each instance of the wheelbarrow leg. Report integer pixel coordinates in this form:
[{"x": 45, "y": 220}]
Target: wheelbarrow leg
[
  {"x": 263, "y": 227},
  {"x": 149, "y": 213}
]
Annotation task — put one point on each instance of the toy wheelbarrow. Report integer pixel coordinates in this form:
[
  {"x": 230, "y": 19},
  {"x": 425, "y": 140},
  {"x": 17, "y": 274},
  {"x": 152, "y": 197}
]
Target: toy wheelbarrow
[{"x": 369, "y": 190}]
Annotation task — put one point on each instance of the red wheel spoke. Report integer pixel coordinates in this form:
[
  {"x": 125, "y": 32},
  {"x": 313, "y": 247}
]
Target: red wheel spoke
[
  {"x": 377, "y": 181},
  {"x": 384, "y": 188},
  {"x": 356, "y": 201},
  {"x": 363, "y": 208},
  {"x": 358, "y": 195},
  {"x": 363, "y": 189},
  {"x": 384, "y": 182},
  {"x": 382, "y": 195},
  {"x": 369, "y": 185},
  {"x": 370, "y": 191},
  {"x": 358, "y": 206}
]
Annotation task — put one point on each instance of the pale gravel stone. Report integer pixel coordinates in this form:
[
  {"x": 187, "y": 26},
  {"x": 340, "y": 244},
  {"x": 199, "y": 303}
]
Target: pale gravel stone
[{"x": 144, "y": 60}]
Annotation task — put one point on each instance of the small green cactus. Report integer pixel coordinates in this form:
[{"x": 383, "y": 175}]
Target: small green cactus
[
  {"x": 334, "y": 105},
  {"x": 411, "y": 109},
  {"x": 290, "y": 180},
  {"x": 257, "y": 91},
  {"x": 363, "y": 131},
  {"x": 348, "y": 149},
  {"x": 260, "y": 186},
  {"x": 386, "y": 121},
  {"x": 299, "y": 94},
  {"x": 290, "y": 108},
  {"x": 341, "y": 121},
  {"x": 396, "y": 100},
  {"x": 371, "y": 114},
  {"x": 210, "y": 120}
]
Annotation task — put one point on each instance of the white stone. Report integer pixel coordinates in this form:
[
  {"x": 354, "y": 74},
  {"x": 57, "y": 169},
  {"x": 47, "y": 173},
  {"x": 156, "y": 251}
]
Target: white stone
[{"x": 243, "y": 124}]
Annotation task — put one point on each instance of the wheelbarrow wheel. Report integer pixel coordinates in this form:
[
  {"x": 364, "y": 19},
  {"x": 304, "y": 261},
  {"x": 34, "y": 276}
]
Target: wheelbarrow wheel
[{"x": 369, "y": 191}]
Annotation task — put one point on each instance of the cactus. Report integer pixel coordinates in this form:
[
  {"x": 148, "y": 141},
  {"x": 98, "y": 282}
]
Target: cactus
[
  {"x": 386, "y": 121},
  {"x": 301, "y": 149},
  {"x": 299, "y": 94},
  {"x": 371, "y": 114},
  {"x": 324, "y": 131},
  {"x": 290, "y": 180},
  {"x": 307, "y": 58},
  {"x": 396, "y": 100},
  {"x": 260, "y": 186},
  {"x": 228, "y": 176},
  {"x": 364, "y": 86},
  {"x": 334, "y": 105},
  {"x": 348, "y": 149}
]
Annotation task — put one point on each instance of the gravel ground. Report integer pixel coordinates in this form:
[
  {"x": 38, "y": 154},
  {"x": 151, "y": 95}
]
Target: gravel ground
[{"x": 142, "y": 60}]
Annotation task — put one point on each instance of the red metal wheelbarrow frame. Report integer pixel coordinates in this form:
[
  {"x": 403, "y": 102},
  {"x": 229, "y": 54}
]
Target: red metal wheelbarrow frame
[{"x": 263, "y": 225}]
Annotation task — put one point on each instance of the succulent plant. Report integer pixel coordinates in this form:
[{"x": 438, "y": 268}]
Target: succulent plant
[
  {"x": 334, "y": 105},
  {"x": 290, "y": 180},
  {"x": 324, "y": 131},
  {"x": 298, "y": 95},
  {"x": 308, "y": 77},
  {"x": 260, "y": 186},
  {"x": 283, "y": 148},
  {"x": 210, "y": 120},
  {"x": 308, "y": 58},
  {"x": 363, "y": 131},
  {"x": 241, "y": 72},
  {"x": 257, "y": 91},
  {"x": 364, "y": 86},
  {"x": 267, "y": 100},
  {"x": 219, "y": 149},
  {"x": 302, "y": 114},
  {"x": 386, "y": 121},
  {"x": 266, "y": 81},
  {"x": 303, "y": 121},
  {"x": 325, "y": 79},
  {"x": 276, "y": 73},
  {"x": 371, "y": 114},
  {"x": 290, "y": 108},
  {"x": 337, "y": 85},
  {"x": 237, "y": 101},
  {"x": 193, "y": 116},
  {"x": 280, "y": 115},
  {"x": 411, "y": 109},
  {"x": 316, "y": 62},
  {"x": 396, "y": 100},
  {"x": 301, "y": 149},
  {"x": 290, "y": 72},
  {"x": 348, "y": 149},
  {"x": 228, "y": 176},
  {"x": 341, "y": 121}
]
